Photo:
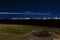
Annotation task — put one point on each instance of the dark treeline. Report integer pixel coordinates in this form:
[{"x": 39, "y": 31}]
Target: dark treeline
[{"x": 47, "y": 23}]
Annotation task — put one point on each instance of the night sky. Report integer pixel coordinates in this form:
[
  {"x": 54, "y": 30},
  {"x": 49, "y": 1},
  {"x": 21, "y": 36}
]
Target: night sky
[{"x": 35, "y": 6}]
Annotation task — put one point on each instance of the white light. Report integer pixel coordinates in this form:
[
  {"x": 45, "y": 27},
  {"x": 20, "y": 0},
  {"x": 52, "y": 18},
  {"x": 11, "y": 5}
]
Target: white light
[
  {"x": 27, "y": 18},
  {"x": 44, "y": 18},
  {"x": 55, "y": 17}
]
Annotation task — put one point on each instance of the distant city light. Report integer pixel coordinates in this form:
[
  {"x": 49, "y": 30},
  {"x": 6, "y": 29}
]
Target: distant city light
[{"x": 28, "y": 15}]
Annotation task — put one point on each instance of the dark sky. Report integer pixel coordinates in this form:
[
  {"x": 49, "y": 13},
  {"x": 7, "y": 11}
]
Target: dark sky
[
  {"x": 42, "y": 6},
  {"x": 30, "y": 5}
]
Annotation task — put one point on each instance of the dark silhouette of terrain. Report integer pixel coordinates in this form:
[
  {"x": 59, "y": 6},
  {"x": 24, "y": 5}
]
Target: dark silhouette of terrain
[{"x": 47, "y": 23}]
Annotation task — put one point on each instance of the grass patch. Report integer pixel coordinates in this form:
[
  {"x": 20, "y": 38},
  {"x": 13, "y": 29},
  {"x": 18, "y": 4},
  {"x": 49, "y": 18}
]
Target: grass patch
[{"x": 16, "y": 32}]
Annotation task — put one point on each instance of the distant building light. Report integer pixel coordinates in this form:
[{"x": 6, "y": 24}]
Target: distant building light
[
  {"x": 55, "y": 17},
  {"x": 27, "y": 18},
  {"x": 44, "y": 18}
]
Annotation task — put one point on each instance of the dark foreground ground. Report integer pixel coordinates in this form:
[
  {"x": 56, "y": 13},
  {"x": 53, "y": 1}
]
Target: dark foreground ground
[
  {"x": 47, "y": 23},
  {"x": 22, "y": 28}
]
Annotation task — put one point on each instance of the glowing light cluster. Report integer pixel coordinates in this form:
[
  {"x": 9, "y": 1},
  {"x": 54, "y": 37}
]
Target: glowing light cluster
[
  {"x": 30, "y": 13},
  {"x": 44, "y": 18}
]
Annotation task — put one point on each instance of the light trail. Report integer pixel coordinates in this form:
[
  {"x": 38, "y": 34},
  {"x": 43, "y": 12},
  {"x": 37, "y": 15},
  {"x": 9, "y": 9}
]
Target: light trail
[{"x": 26, "y": 13}]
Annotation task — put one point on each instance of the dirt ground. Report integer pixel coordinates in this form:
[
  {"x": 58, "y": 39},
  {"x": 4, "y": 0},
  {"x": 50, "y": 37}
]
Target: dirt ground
[{"x": 56, "y": 36}]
